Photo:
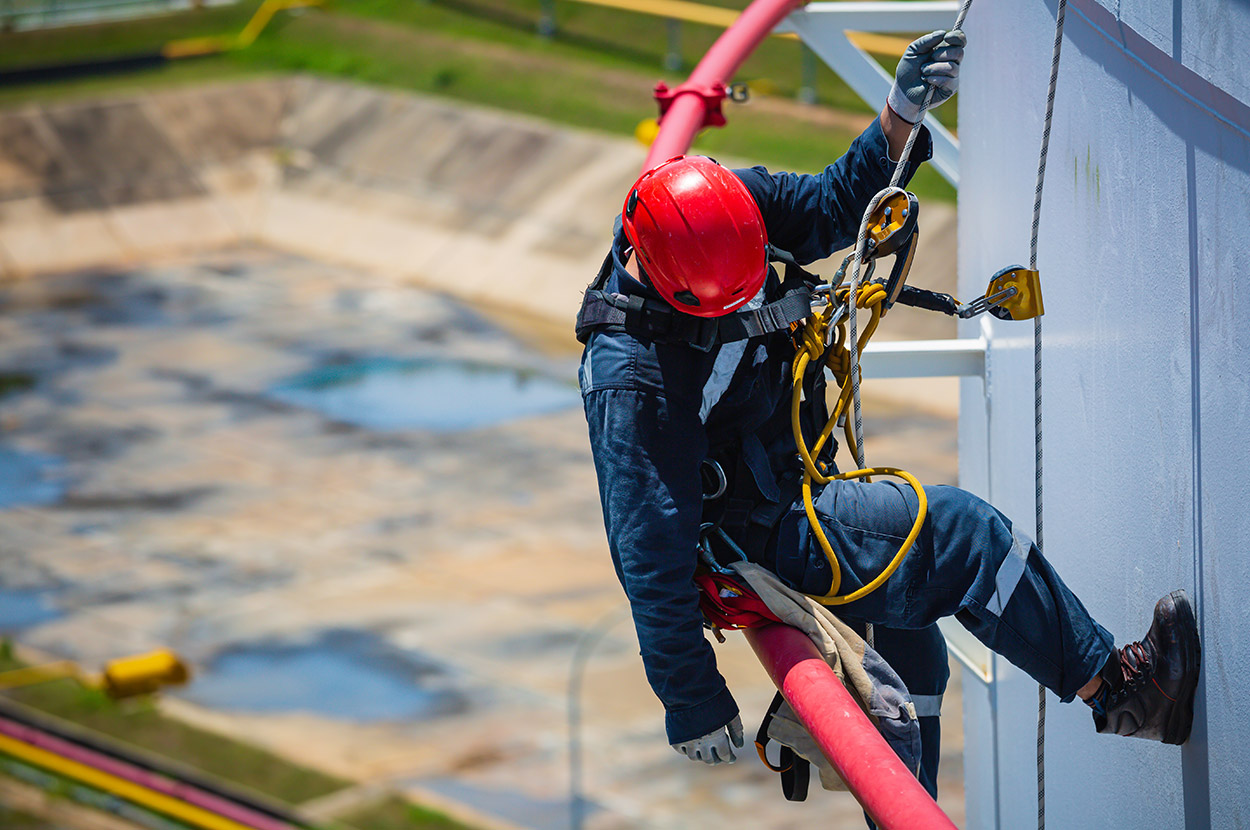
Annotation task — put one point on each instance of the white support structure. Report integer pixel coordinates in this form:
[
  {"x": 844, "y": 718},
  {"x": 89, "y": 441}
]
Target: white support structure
[
  {"x": 924, "y": 359},
  {"x": 964, "y": 358},
  {"x": 823, "y": 28}
]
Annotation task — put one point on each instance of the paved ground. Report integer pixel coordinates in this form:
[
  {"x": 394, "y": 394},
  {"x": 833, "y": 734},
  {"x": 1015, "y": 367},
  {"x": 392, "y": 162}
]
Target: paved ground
[{"x": 195, "y": 505}]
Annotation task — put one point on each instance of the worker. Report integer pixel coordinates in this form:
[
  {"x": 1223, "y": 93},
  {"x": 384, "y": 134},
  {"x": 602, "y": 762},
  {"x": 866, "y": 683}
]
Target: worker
[{"x": 685, "y": 379}]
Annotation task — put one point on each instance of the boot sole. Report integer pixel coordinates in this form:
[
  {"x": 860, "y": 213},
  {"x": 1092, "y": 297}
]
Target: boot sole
[{"x": 1182, "y": 718}]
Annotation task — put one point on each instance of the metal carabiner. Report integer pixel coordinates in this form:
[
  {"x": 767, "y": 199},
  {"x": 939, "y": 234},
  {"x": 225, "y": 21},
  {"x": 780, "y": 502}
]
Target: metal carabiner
[
  {"x": 721, "y": 482},
  {"x": 705, "y": 550},
  {"x": 705, "y": 547}
]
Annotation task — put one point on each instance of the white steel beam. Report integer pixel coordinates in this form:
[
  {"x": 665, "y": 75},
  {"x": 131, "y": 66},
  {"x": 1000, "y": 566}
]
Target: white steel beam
[
  {"x": 823, "y": 27},
  {"x": 924, "y": 359}
]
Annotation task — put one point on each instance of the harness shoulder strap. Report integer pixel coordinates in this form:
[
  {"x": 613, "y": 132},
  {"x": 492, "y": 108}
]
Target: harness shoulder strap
[{"x": 793, "y": 306}]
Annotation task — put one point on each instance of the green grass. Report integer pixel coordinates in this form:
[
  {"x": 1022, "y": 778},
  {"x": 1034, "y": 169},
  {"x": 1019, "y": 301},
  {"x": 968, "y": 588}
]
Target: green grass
[
  {"x": 395, "y": 813},
  {"x": 596, "y": 72},
  {"x": 14, "y": 820}
]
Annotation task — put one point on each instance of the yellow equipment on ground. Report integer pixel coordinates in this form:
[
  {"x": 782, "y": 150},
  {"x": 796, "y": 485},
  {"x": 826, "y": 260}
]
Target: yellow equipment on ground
[{"x": 143, "y": 674}]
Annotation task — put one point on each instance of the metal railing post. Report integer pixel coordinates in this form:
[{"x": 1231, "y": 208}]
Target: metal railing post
[
  {"x": 590, "y": 638},
  {"x": 807, "y": 75},
  {"x": 672, "y": 58},
  {"x": 547, "y": 19}
]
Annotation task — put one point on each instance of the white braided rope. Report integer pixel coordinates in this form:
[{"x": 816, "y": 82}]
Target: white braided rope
[{"x": 852, "y": 323}]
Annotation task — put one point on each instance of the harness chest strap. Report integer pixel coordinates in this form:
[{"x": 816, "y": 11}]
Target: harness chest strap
[{"x": 656, "y": 320}]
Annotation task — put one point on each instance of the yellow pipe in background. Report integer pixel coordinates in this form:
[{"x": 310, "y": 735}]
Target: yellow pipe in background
[
  {"x": 30, "y": 675},
  {"x": 723, "y": 18},
  {"x": 128, "y": 790},
  {"x": 198, "y": 46}
]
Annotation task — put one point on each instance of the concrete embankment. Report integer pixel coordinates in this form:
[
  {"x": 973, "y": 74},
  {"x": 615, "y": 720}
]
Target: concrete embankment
[
  {"x": 495, "y": 208},
  {"x": 475, "y": 203}
]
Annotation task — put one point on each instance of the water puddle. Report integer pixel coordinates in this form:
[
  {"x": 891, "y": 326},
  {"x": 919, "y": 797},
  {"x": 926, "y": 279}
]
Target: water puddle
[
  {"x": 20, "y": 609},
  {"x": 515, "y": 807},
  {"x": 341, "y": 674},
  {"x": 441, "y": 395},
  {"x": 29, "y": 478}
]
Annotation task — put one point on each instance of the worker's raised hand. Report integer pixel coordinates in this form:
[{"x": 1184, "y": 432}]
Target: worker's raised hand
[
  {"x": 717, "y": 746},
  {"x": 931, "y": 60}
]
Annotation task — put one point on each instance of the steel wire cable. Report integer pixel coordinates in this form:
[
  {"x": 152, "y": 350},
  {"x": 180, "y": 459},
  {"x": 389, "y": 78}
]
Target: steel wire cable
[
  {"x": 1037, "y": 383},
  {"x": 1037, "y": 334}
]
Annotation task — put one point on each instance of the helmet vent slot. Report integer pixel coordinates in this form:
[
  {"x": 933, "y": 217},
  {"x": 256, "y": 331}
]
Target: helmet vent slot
[{"x": 686, "y": 298}]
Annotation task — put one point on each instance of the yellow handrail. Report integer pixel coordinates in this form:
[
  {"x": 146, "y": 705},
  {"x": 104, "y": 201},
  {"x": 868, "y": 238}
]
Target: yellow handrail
[
  {"x": 196, "y": 46},
  {"x": 30, "y": 675},
  {"x": 717, "y": 16}
]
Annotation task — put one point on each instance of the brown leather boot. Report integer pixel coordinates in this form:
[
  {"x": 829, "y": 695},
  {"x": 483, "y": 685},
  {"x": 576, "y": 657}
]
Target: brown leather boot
[{"x": 1148, "y": 686}]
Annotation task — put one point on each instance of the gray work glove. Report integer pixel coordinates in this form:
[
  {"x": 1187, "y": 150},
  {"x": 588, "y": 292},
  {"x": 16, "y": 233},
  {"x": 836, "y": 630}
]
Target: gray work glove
[
  {"x": 930, "y": 60},
  {"x": 717, "y": 746}
]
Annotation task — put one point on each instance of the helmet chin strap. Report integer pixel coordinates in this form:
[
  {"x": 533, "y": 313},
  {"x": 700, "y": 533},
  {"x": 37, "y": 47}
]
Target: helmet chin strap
[{"x": 775, "y": 254}]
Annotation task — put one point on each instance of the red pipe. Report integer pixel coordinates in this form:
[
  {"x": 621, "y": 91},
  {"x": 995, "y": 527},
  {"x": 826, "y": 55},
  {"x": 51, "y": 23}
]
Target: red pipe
[
  {"x": 873, "y": 773},
  {"x": 696, "y": 104}
]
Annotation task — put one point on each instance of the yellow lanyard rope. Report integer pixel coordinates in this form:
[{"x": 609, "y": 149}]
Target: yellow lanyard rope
[{"x": 838, "y": 358}]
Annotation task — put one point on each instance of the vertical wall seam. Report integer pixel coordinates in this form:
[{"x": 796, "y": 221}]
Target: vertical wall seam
[{"x": 1195, "y": 761}]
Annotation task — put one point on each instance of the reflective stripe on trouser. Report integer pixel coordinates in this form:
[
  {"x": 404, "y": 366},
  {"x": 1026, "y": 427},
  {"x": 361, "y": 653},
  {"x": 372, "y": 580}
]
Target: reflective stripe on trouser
[
  {"x": 967, "y": 562},
  {"x": 919, "y": 658}
]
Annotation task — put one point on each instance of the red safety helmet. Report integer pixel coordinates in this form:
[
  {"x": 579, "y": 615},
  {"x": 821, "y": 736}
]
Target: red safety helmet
[{"x": 698, "y": 234}]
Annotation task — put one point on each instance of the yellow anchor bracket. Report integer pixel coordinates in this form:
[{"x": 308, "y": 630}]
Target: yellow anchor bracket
[{"x": 1023, "y": 290}]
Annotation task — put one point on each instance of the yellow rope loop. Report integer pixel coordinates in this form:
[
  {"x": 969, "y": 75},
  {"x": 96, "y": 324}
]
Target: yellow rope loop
[
  {"x": 870, "y": 295},
  {"x": 818, "y": 530},
  {"x": 813, "y": 338},
  {"x": 838, "y": 360},
  {"x": 837, "y": 357}
]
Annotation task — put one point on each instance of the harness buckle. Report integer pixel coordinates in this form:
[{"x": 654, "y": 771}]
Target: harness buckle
[
  {"x": 704, "y": 335},
  {"x": 635, "y": 310}
]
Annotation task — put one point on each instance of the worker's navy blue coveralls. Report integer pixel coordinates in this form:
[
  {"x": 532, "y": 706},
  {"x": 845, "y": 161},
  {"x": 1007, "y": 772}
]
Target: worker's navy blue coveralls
[{"x": 657, "y": 410}]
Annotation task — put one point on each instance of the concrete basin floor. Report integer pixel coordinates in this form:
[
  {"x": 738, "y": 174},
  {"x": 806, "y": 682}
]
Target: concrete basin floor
[{"x": 195, "y": 506}]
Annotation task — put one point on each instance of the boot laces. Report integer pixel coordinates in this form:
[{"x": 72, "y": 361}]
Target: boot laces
[{"x": 1135, "y": 666}]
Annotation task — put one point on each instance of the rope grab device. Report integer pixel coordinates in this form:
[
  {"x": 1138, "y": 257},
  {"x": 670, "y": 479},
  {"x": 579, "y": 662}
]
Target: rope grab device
[{"x": 891, "y": 228}]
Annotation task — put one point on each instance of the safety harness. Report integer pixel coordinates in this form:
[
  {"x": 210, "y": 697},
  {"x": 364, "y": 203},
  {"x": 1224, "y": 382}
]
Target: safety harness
[{"x": 653, "y": 320}]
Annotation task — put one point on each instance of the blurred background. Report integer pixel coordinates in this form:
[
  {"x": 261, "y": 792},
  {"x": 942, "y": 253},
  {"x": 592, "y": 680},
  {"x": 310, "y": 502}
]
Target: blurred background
[{"x": 288, "y": 388}]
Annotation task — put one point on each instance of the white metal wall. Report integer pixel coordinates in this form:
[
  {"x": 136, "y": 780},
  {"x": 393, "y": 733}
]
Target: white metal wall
[{"x": 1145, "y": 260}]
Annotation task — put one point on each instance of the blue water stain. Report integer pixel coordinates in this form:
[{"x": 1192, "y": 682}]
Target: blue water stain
[
  {"x": 517, "y": 808},
  {"x": 441, "y": 395},
  {"x": 29, "y": 478},
  {"x": 341, "y": 674},
  {"x": 21, "y": 609}
]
